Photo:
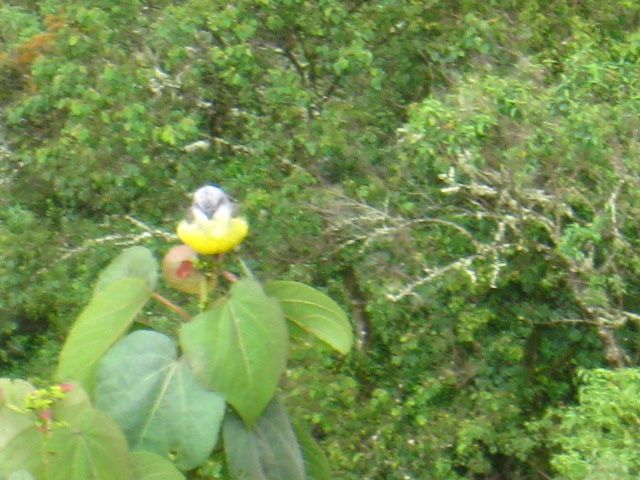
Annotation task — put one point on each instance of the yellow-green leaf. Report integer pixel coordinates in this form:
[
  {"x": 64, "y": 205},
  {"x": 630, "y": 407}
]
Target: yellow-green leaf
[
  {"x": 100, "y": 325},
  {"x": 87, "y": 446},
  {"x": 314, "y": 312},
  {"x": 239, "y": 348},
  {"x": 315, "y": 461},
  {"x": 133, "y": 262},
  {"x": 151, "y": 466},
  {"x": 21, "y": 446}
]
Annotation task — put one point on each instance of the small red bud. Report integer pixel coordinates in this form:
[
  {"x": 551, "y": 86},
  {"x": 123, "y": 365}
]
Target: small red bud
[{"x": 66, "y": 387}]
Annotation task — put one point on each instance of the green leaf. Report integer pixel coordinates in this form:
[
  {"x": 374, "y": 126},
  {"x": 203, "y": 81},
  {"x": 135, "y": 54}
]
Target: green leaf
[
  {"x": 12, "y": 398},
  {"x": 268, "y": 451},
  {"x": 89, "y": 447},
  {"x": 83, "y": 444},
  {"x": 314, "y": 312},
  {"x": 20, "y": 443},
  {"x": 24, "y": 451},
  {"x": 239, "y": 348},
  {"x": 168, "y": 135},
  {"x": 151, "y": 466},
  {"x": 21, "y": 475},
  {"x": 132, "y": 262},
  {"x": 73, "y": 403},
  {"x": 156, "y": 399},
  {"x": 315, "y": 461},
  {"x": 100, "y": 325}
]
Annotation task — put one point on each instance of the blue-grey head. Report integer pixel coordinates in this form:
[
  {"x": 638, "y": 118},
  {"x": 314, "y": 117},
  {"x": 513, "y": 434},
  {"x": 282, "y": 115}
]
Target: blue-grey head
[{"x": 211, "y": 202}]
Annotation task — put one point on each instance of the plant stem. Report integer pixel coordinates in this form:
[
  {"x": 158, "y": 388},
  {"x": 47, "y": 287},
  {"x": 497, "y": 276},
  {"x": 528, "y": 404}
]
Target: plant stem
[
  {"x": 204, "y": 292},
  {"x": 245, "y": 269},
  {"x": 172, "y": 306},
  {"x": 230, "y": 277}
]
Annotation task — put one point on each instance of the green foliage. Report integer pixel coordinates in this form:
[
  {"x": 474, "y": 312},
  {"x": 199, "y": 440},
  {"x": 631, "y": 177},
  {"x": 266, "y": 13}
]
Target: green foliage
[
  {"x": 598, "y": 437},
  {"x": 80, "y": 443},
  {"x": 156, "y": 400},
  {"x": 147, "y": 466},
  {"x": 21, "y": 475},
  {"x": 16, "y": 427},
  {"x": 313, "y": 312},
  {"x": 462, "y": 175},
  {"x": 150, "y": 411},
  {"x": 239, "y": 348},
  {"x": 91, "y": 445},
  {"x": 134, "y": 262},
  {"x": 267, "y": 451},
  {"x": 107, "y": 317},
  {"x": 316, "y": 463}
]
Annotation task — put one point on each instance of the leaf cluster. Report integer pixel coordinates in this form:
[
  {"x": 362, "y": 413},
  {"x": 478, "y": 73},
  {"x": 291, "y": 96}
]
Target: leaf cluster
[{"x": 152, "y": 405}]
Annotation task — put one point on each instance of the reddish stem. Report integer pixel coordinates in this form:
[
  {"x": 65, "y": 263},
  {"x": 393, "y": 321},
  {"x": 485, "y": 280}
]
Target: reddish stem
[
  {"x": 172, "y": 306},
  {"x": 230, "y": 277}
]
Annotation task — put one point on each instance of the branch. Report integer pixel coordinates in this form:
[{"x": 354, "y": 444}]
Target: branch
[{"x": 118, "y": 239}]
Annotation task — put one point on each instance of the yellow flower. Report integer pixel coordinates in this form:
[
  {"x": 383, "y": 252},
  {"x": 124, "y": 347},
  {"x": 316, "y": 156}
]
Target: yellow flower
[{"x": 212, "y": 228}]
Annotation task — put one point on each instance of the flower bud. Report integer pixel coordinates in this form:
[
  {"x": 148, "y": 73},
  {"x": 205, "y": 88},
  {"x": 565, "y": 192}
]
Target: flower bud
[{"x": 178, "y": 269}]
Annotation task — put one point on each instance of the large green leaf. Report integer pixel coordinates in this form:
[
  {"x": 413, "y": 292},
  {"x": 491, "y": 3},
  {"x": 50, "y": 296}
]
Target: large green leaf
[
  {"x": 12, "y": 398},
  {"x": 156, "y": 399},
  {"x": 239, "y": 348},
  {"x": 20, "y": 442},
  {"x": 137, "y": 262},
  {"x": 89, "y": 446},
  {"x": 21, "y": 475},
  {"x": 100, "y": 325},
  {"x": 24, "y": 451},
  {"x": 74, "y": 402},
  {"x": 151, "y": 466},
  {"x": 316, "y": 463},
  {"x": 314, "y": 312},
  {"x": 267, "y": 451},
  {"x": 82, "y": 443}
]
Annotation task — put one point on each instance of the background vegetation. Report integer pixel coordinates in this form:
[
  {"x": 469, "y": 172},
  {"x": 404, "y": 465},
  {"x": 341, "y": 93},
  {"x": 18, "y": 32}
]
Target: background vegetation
[{"x": 463, "y": 176}]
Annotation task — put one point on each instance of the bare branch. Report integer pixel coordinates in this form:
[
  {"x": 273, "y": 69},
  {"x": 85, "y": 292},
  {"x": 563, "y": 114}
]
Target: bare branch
[
  {"x": 491, "y": 201},
  {"x": 117, "y": 239}
]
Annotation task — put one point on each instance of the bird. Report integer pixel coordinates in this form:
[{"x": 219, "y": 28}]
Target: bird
[{"x": 212, "y": 226}]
